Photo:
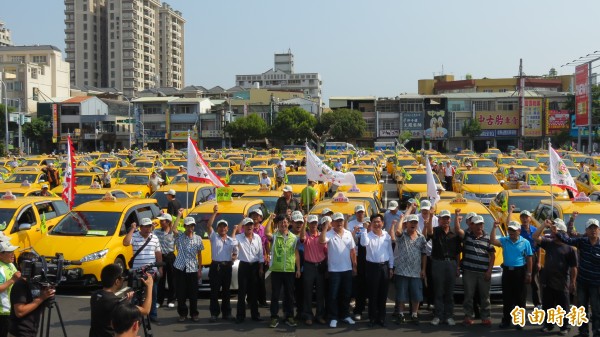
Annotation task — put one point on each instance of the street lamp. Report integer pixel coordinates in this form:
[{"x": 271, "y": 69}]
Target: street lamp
[{"x": 129, "y": 117}]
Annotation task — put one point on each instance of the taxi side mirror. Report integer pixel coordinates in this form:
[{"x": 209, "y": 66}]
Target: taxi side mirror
[
  {"x": 42, "y": 180},
  {"x": 24, "y": 226}
]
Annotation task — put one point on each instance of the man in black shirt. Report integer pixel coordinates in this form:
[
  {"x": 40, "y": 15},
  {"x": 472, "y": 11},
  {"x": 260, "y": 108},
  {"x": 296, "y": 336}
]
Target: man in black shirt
[
  {"x": 26, "y": 303},
  {"x": 104, "y": 301},
  {"x": 173, "y": 205}
]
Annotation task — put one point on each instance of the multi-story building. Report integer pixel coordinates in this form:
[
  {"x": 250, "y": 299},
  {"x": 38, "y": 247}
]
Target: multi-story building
[
  {"x": 447, "y": 84},
  {"x": 283, "y": 77},
  {"x": 33, "y": 73},
  {"x": 5, "y": 37},
  {"x": 130, "y": 45}
]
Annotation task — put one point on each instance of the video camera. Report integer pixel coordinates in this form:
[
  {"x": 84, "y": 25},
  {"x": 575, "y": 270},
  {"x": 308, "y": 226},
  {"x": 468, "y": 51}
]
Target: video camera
[
  {"x": 135, "y": 277},
  {"x": 47, "y": 271}
]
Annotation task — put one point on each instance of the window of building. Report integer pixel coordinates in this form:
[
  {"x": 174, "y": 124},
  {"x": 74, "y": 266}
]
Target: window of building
[
  {"x": 485, "y": 105},
  {"x": 85, "y": 65},
  {"x": 17, "y": 59},
  {"x": 39, "y": 59},
  {"x": 458, "y": 124},
  {"x": 34, "y": 73},
  {"x": 70, "y": 110},
  {"x": 487, "y": 90},
  {"x": 411, "y": 105},
  {"x": 389, "y": 124},
  {"x": 503, "y": 90},
  {"x": 84, "y": 17},
  {"x": 507, "y": 105}
]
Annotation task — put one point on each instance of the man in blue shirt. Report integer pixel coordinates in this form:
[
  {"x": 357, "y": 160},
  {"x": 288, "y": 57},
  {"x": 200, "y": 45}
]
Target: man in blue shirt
[
  {"x": 516, "y": 269},
  {"x": 391, "y": 215}
]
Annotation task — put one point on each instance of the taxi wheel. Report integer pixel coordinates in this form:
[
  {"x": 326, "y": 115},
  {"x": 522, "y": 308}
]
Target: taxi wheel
[{"x": 119, "y": 261}]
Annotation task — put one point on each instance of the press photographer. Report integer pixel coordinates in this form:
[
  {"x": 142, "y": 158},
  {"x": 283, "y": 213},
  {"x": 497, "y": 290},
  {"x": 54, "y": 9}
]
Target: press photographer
[
  {"x": 27, "y": 299},
  {"x": 104, "y": 301}
]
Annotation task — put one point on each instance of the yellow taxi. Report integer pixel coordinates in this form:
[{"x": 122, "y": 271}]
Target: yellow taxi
[
  {"x": 375, "y": 204},
  {"x": 216, "y": 163},
  {"x": 506, "y": 160},
  {"x": 35, "y": 178},
  {"x": 37, "y": 161},
  {"x": 444, "y": 195},
  {"x": 148, "y": 164},
  {"x": 467, "y": 206},
  {"x": 96, "y": 192},
  {"x": 503, "y": 172},
  {"x": 564, "y": 209},
  {"x": 298, "y": 181},
  {"x": 221, "y": 172},
  {"x": 342, "y": 204},
  {"x": 93, "y": 234},
  {"x": 542, "y": 160},
  {"x": 411, "y": 183},
  {"x": 257, "y": 161},
  {"x": 189, "y": 195},
  {"x": 524, "y": 199},
  {"x": 233, "y": 212},
  {"x": 22, "y": 218},
  {"x": 540, "y": 180},
  {"x": 82, "y": 181},
  {"x": 366, "y": 182},
  {"x": 25, "y": 190},
  {"x": 588, "y": 182},
  {"x": 365, "y": 168},
  {"x": 136, "y": 184},
  {"x": 478, "y": 185},
  {"x": 532, "y": 164},
  {"x": 404, "y": 164},
  {"x": 243, "y": 181},
  {"x": 487, "y": 165},
  {"x": 268, "y": 197}
]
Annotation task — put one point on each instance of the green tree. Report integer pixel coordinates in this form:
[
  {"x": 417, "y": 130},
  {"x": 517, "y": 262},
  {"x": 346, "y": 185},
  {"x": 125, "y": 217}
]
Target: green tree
[
  {"x": 249, "y": 127},
  {"x": 36, "y": 129},
  {"x": 293, "y": 124},
  {"x": 404, "y": 136},
  {"x": 343, "y": 124},
  {"x": 471, "y": 129}
]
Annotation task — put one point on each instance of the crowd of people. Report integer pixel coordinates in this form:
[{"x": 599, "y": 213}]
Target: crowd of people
[{"x": 319, "y": 264}]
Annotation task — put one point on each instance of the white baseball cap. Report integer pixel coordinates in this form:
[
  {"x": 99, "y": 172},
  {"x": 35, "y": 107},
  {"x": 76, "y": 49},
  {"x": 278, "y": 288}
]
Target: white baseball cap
[
  {"x": 392, "y": 205},
  {"x": 165, "y": 216},
  {"x": 146, "y": 222},
  {"x": 247, "y": 221},
  {"x": 560, "y": 225},
  {"x": 478, "y": 219},
  {"x": 171, "y": 192},
  {"x": 325, "y": 211},
  {"x": 592, "y": 222},
  {"x": 525, "y": 212},
  {"x": 359, "y": 208},
  {"x": 312, "y": 218},
  {"x": 222, "y": 222},
  {"x": 6, "y": 246},
  {"x": 425, "y": 205},
  {"x": 412, "y": 217},
  {"x": 444, "y": 213},
  {"x": 44, "y": 186},
  {"x": 325, "y": 219},
  {"x": 189, "y": 221},
  {"x": 470, "y": 215},
  {"x": 337, "y": 216},
  {"x": 257, "y": 211},
  {"x": 287, "y": 188},
  {"x": 297, "y": 216},
  {"x": 514, "y": 225}
]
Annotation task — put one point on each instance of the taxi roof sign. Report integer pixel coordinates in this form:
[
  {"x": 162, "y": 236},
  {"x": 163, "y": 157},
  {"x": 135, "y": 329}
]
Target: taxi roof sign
[
  {"x": 341, "y": 198},
  {"x": 354, "y": 189},
  {"x": 458, "y": 200},
  {"x": 581, "y": 197},
  {"x": 9, "y": 196},
  {"x": 525, "y": 187}
]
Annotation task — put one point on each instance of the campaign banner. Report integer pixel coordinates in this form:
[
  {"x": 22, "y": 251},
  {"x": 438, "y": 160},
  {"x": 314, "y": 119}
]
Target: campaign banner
[
  {"x": 581, "y": 94},
  {"x": 493, "y": 120},
  {"x": 532, "y": 118},
  {"x": 436, "y": 123},
  {"x": 54, "y": 122},
  {"x": 413, "y": 122},
  {"x": 556, "y": 120}
]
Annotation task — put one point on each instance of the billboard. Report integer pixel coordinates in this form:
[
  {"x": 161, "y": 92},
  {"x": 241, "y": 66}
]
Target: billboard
[
  {"x": 557, "y": 120},
  {"x": 436, "y": 122},
  {"x": 494, "y": 120},
  {"x": 54, "y": 122},
  {"x": 413, "y": 122},
  {"x": 581, "y": 94},
  {"x": 532, "y": 118}
]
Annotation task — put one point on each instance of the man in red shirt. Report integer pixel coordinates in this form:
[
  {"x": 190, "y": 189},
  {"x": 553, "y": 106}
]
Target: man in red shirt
[{"x": 315, "y": 267}]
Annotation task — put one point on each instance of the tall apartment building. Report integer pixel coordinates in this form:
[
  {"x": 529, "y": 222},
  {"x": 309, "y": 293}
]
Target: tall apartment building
[
  {"x": 282, "y": 77},
  {"x": 5, "y": 37},
  {"x": 130, "y": 45}
]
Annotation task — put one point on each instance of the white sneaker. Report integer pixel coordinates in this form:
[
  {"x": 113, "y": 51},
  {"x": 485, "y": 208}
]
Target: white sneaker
[
  {"x": 435, "y": 321},
  {"x": 451, "y": 321},
  {"x": 348, "y": 320},
  {"x": 157, "y": 305},
  {"x": 333, "y": 323},
  {"x": 171, "y": 305}
]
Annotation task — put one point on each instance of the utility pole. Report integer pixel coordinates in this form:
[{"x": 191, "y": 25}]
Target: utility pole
[{"x": 522, "y": 104}]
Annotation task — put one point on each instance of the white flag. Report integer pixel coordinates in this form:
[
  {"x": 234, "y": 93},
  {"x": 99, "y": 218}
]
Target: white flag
[
  {"x": 316, "y": 170},
  {"x": 432, "y": 193},
  {"x": 559, "y": 174},
  {"x": 197, "y": 170}
]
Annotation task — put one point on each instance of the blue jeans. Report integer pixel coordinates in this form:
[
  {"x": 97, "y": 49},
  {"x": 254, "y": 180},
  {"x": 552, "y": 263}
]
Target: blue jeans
[
  {"x": 340, "y": 289},
  {"x": 589, "y": 296},
  {"x": 153, "y": 310}
]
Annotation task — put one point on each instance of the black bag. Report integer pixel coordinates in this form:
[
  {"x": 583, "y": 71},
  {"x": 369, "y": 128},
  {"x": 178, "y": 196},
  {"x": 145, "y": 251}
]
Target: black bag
[{"x": 130, "y": 263}]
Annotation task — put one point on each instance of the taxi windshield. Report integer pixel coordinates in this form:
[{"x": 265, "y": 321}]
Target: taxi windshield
[
  {"x": 299, "y": 179},
  {"x": 528, "y": 163},
  {"x": 88, "y": 223},
  {"x": 420, "y": 179},
  {"x": 202, "y": 220},
  {"x": 506, "y": 161},
  {"x": 20, "y": 177},
  {"x": 485, "y": 163},
  {"x": 221, "y": 173},
  {"x": 146, "y": 164},
  {"x": 243, "y": 179},
  {"x": 528, "y": 203},
  {"x": 135, "y": 180},
  {"x": 407, "y": 162},
  {"x": 481, "y": 179},
  {"x": 535, "y": 179},
  {"x": 269, "y": 201},
  {"x": 542, "y": 160},
  {"x": 83, "y": 180},
  {"x": 182, "y": 197},
  {"x": 257, "y": 162},
  {"x": 365, "y": 179},
  {"x": 5, "y": 215}
]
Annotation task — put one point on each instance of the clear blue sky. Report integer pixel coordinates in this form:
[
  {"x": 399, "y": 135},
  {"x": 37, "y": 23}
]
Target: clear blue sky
[{"x": 362, "y": 47}]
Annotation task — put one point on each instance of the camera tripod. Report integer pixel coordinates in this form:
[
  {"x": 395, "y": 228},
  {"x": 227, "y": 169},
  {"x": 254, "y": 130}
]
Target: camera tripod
[
  {"x": 138, "y": 299},
  {"x": 50, "y": 304}
]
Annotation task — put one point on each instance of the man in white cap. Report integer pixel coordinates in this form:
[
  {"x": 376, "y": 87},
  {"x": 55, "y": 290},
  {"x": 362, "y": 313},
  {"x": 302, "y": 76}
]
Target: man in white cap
[
  {"x": 166, "y": 284},
  {"x": 358, "y": 227},
  {"x": 527, "y": 232},
  {"x": 286, "y": 202},
  {"x": 250, "y": 254},
  {"x": 444, "y": 255},
  {"x": 8, "y": 276},
  {"x": 257, "y": 216},
  {"x": 314, "y": 270},
  {"x": 425, "y": 213},
  {"x": 516, "y": 269},
  {"x": 468, "y": 165},
  {"x": 279, "y": 174},
  {"x": 106, "y": 183},
  {"x": 477, "y": 264},
  {"x": 265, "y": 181},
  {"x": 52, "y": 176},
  {"x": 154, "y": 182},
  {"x": 588, "y": 274},
  {"x": 146, "y": 250},
  {"x": 560, "y": 269},
  {"x": 173, "y": 205},
  {"x": 45, "y": 191},
  {"x": 341, "y": 264},
  {"x": 449, "y": 171},
  {"x": 392, "y": 214},
  {"x": 223, "y": 252}
]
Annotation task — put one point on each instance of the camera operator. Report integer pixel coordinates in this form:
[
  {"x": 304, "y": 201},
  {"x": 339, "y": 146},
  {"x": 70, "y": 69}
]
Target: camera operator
[
  {"x": 146, "y": 250},
  {"x": 26, "y": 302},
  {"x": 8, "y": 276},
  {"x": 126, "y": 320},
  {"x": 104, "y": 301}
]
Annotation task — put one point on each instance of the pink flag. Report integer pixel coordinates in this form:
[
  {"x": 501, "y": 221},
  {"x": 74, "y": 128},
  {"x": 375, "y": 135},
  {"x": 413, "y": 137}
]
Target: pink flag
[
  {"x": 68, "y": 193},
  {"x": 197, "y": 170}
]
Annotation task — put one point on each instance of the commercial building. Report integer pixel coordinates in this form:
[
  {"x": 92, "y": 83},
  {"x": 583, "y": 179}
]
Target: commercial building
[
  {"x": 445, "y": 84},
  {"x": 282, "y": 77},
  {"x": 5, "y": 36},
  {"x": 130, "y": 45},
  {"x": 33, "y": 73}
]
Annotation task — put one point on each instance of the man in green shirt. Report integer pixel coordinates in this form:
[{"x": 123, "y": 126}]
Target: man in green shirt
[
  {"x": 308, "y": 197},
  {"x": 8, "y": 276}
]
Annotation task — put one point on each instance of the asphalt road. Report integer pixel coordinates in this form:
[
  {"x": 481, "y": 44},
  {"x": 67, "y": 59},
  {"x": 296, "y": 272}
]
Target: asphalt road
[{"x": 74, "y": 306}]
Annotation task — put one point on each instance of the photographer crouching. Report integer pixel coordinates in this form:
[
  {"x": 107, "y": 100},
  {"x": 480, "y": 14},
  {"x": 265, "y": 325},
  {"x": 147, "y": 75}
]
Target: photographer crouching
[
  {"x": 26, "y": 302},
  {"x": 104, "y": 301}
]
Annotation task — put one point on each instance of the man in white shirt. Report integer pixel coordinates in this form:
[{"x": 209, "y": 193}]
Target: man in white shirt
[
  {"x": 428, "y": 294},
  {"x": 358, "y": 227},
  {"x": 265, "y": 181},
  {"x": 341, "y": 263},
  {"x": 379, "y": 267},
  {"x": 392, "y": 214},
  {"x": 250, "y": 254}
]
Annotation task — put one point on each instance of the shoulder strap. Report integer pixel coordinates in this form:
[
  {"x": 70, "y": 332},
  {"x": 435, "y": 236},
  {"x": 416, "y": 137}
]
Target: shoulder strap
[{"x": 141, "y": 248}]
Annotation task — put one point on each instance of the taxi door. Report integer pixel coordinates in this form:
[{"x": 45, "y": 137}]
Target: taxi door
[{"x": 25, "y": 237}]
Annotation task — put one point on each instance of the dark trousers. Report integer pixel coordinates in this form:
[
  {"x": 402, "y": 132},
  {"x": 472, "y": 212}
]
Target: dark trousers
[
  {"x": 219, "y": 276},
  {"x": 299, "y": 294},
  {"x": 589, "y": 296},
  {"x": 261, "y": 295},
  {"x": 377, "y": 285},
  {"x": 448, "y": 183},
  {"x": 247, "y": 285},
  {"x": 187, "y": 288},
  {"x": 443, "y": 283},
  {"x": 551, "y": 298},
  {"x": 314, "y": 278},
  {"x": 535, "y": 282},
  {"x": 4, "y": 325},
  {"x": 340, "y": 289},
  {"x": 166, "y": 283},
  {"x": 359, "y": 284},
  {"x": 283, "y": 280},
  {"x": 514, "y": 291},
  {"x": 428, "y": 293}
]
